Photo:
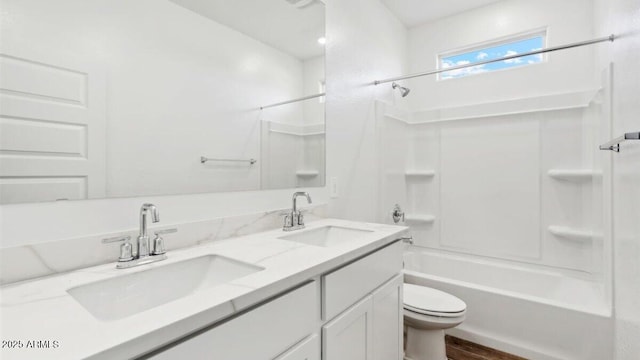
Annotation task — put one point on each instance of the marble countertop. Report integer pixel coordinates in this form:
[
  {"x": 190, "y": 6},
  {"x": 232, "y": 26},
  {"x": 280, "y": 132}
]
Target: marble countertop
[{"x": 51, "y": 324}]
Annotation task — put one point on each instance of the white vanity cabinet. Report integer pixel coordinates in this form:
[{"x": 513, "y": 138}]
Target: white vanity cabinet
[
  {"x": 372, "y": 328},
  {"x": 262, "y": 333},
  {"x": 355, "y": 314},
  {"x": 369, "y": 330}
]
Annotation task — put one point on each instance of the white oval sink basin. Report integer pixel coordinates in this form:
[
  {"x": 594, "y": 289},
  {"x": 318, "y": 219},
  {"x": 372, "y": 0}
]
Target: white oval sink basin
[
  {"x": 129, "y": 294},
  {"x": 326, "y": 235}
]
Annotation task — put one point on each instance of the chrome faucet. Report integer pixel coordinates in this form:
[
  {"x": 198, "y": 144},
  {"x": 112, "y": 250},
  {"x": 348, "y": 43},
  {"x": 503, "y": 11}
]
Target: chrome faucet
[
  {"x": 142, "y": 247},
  {"x": 143, "y": 252},
  {"x": 295, "y": 219}
]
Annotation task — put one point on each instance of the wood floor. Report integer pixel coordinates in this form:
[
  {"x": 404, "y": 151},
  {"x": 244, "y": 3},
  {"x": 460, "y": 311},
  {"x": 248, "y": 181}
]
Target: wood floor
[{"x": 458, "y": 349}]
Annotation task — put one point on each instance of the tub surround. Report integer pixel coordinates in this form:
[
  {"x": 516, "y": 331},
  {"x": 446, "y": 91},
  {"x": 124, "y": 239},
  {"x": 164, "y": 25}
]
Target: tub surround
[
  {"x": 533, "y": 312},
  {"x": 32, "y": 261},
  {"x": 80, "y": 335}
]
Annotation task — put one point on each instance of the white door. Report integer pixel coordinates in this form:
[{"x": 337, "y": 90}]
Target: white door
[
  {"x": 52, "y": 128},
  {"x": 388, "y": 320},
  {"x": 349, "y": 336}
]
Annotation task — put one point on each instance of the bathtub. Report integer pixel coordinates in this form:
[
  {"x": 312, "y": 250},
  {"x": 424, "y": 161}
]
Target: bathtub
[{"x": 533, "y": 312}]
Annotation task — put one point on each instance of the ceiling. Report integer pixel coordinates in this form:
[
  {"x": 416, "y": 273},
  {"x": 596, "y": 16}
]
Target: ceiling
[
  {"x": 278, "y": 23},
  {"x": 418, "y": 12}
]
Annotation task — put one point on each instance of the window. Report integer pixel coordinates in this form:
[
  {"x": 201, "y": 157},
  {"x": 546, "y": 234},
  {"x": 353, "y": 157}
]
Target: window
[{"x": 495, "y": 50}]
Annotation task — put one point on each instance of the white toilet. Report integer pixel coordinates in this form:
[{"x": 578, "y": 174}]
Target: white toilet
[{"x": 427, "y": 313}]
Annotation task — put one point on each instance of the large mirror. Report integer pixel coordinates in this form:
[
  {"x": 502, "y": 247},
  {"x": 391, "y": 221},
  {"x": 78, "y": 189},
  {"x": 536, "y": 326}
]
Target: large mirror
[{"x": 120, "y": 98}]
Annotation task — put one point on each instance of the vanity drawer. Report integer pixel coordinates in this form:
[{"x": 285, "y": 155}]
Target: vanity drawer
[
  {"x": 343, "y": 287},
  {"x": 262, "y": 333}
]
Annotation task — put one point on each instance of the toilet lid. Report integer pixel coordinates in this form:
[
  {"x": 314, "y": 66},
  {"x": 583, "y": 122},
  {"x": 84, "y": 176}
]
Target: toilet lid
[{"x": 428, "y": 301}]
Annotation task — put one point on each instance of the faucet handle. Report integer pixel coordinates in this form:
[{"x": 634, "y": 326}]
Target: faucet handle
[
  {"x": 288, "y": 220},
  {"x": 126, "y": 250},
  {"x": 124, "y": 238},
  {"x": 166, "y": 231},
  {"x": 158, "y": 241}
]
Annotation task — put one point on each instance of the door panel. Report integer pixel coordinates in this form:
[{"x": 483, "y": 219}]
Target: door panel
[
  {"x": 52, "y": 129},
  {"x": 388, "y": 320},
  {"x": 349, "y": 336}
]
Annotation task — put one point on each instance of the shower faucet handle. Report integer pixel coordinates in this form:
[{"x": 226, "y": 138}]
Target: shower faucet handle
[{"x": 397, "y": 214}]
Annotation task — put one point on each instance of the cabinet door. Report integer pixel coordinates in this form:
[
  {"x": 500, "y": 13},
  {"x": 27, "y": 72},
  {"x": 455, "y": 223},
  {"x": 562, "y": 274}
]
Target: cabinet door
[
  {"x": 349, "y": 336},
  {"x": 388, "y": 320},
  {"x": 307, "y": 349}
]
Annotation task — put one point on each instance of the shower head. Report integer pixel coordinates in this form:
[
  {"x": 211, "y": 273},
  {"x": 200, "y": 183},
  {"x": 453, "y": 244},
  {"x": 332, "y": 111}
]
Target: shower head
[{"x": 403, "y": 90}]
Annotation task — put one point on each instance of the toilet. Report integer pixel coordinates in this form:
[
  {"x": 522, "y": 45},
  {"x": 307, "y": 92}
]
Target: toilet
[{"x": 427, "y": 313}]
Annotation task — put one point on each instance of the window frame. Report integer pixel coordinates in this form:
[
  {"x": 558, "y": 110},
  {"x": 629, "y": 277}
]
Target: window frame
[{"x": 504, "y": 40}]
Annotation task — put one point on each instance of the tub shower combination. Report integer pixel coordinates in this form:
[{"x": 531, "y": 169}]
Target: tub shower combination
[
  {"x": 536, "y": 313},
  {"x": 507, "y": 204}
]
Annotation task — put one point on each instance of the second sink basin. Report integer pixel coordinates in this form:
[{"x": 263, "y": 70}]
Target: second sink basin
[
  {"x": 326, "y": 235},
  {"x": 129, "y": 294}
]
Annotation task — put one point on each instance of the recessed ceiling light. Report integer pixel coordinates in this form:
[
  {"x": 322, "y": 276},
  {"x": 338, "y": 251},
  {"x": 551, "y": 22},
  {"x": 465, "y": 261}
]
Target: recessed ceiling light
[{"x": 322, "y": 40}]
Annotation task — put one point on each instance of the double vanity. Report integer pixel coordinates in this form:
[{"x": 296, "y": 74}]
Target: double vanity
[{"x": 277, "y": 294}]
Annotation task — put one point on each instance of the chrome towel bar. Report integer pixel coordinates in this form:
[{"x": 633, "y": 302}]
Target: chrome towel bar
[
  {"x": 614, "y": 145},
  {"x": 204, "y": 159}
]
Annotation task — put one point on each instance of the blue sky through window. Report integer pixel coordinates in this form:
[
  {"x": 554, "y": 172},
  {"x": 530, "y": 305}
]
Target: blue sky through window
[{"x": 493, "y": 52}]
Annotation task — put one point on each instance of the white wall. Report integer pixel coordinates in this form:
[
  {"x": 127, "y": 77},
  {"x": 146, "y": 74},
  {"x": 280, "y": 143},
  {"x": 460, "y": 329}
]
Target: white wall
[
  {"x": 566, "y": 21},
  {"x": 622, "y": 17},
  {"x": 364, "y": 42},
  {"x": 179, "y": 86}
]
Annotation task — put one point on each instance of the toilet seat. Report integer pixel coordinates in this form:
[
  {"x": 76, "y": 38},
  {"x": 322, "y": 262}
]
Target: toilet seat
[{"x": 432, "y": 302}]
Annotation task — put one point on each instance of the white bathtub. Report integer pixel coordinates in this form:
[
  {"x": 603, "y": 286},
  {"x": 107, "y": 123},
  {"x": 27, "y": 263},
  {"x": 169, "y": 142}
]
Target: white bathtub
[{"x": 533, "y": 312}]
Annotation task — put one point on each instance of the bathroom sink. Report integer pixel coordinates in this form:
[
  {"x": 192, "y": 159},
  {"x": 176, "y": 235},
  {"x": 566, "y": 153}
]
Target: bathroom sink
[
  {"x": 326, "y": 235},
  {"x": 129, "y": 294}
]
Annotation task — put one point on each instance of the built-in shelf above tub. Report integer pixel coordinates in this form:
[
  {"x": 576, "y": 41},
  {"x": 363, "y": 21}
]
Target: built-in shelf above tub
[
  {"x": 534, "y": 104},
  {"x": 419, "y": 218},
  {"x": 420, "y": 173},
  {"x": 569, "y": 233},
  {"x": 577, "y": 175},
  {"x": 307, "y": 173}
]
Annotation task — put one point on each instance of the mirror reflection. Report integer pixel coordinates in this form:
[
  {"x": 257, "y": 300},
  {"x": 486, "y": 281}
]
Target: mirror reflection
[{"x": 116, "y": 98}]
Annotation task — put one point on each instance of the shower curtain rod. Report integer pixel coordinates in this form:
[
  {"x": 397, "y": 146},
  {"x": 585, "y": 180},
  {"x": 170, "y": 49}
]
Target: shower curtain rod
[
  {"x": 541, "y": 51},
  {"x": 292, "y": 101}
]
